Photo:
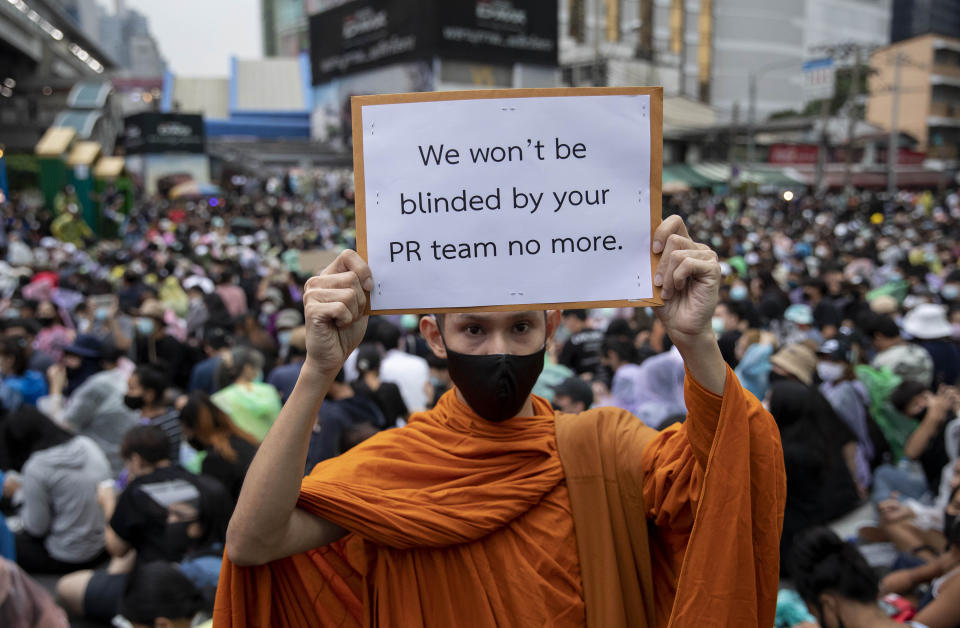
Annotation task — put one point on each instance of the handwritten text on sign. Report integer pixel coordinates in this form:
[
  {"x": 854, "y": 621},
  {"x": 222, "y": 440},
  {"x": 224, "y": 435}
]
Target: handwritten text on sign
[{"x": 508, "y": 201}]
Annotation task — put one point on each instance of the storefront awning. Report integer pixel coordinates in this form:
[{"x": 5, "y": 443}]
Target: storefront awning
[
  {"x": 677, "y": 176},
  {"x": 55, "y": 142},
  {"x": 83, "y": 154},
  {"x": 109, "y": 167}
]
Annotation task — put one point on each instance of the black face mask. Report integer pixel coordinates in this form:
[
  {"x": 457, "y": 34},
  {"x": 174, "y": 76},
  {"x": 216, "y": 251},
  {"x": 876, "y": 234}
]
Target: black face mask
[
  {"x": 134, "y": 403},
  {"x": 495, "y": 386},
  {"x": 176, "y": 541},
  {"x": 46, "y": 321}
]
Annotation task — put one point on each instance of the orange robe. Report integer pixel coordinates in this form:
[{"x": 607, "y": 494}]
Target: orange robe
[{"x": 455, "y": 521}]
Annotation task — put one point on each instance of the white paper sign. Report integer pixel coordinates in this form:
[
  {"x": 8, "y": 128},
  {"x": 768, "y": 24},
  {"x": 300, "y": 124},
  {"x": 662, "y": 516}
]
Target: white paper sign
[{"x": 507, "y": 201}]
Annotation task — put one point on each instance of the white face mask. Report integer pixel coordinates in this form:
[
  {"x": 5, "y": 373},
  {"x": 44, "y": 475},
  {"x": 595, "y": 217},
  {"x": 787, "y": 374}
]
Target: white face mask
[
  {"x": 718, "y": 325},
  {"x": 830, "y": 371}
]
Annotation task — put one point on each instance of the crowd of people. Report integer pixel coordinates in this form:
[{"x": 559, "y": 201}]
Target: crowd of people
[{"x": 140, "y": 374}]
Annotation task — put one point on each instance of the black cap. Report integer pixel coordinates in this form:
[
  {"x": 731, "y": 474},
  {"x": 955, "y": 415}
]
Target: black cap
[
  {"x": 86, "y": 346},
  {"x": 577, "y": 389}
]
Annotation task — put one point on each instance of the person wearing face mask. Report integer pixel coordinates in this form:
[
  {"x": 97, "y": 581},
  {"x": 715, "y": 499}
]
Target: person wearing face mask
[
  {"x": 153, "y": 345},
  {"x": 250, "y": 402},
  {"x": 838, "y": 586},
  {"x": 229, "y": 450},
  {"x": 165, "y": 513},
  {"x": 465, "y": 506},
  {"x": 850, "y": 400},
  {"x": 927, "y": 443},
  {"x": 146, "y": 395},
  {"x": 94, "y": 408}
]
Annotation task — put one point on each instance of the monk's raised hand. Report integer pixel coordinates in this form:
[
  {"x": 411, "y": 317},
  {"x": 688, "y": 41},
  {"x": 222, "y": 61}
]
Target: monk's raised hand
[
  {"x": 334, "y": 310},
  {"x": 689, "y": 278}
]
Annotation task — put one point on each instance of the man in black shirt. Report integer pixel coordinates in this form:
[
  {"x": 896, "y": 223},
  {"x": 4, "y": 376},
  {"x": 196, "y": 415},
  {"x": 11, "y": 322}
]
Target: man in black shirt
[
  {"x": 147, "y": 519},
  {"x": 582, "y": 351}
]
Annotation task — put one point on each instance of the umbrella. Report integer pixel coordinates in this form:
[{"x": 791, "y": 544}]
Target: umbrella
[{"x": 194, "y": 189}]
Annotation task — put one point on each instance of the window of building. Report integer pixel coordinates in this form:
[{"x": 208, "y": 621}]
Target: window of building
[
  {"x": 705, "y": 49},
  {"x": 578, "y": 19},
  {"x": 676, "y": 26}
]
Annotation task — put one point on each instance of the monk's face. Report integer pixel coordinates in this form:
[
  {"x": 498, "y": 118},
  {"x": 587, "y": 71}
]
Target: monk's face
[{"x": 490, "y": 333}]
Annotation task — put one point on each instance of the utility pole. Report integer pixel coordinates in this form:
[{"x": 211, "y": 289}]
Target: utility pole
[
  {"x": 751, "y": 118},
  {"x": 731, "y": 147},
  {"x": 894, "y": 114},
  {"x": 822, "y": 151},
  {"x": 852, "y": 97}
]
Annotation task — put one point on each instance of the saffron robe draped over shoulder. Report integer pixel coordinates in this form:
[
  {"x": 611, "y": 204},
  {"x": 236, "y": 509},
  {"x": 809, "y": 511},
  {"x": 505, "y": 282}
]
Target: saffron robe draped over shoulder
[{"x": 566, "y": 520}]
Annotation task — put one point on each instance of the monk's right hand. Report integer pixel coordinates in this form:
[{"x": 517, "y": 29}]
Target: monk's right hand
[{"x": 334, "y": 310}]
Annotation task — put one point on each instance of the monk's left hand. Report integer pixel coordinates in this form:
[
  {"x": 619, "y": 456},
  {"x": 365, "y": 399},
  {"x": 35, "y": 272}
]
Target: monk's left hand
[{"x": 689, "y": 277}]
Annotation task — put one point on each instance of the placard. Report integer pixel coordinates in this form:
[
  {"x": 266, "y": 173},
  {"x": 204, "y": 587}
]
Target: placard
[{"x": 506, "y": 200}]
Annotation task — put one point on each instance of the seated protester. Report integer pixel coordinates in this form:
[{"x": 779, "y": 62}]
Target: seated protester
[
  {"x": 25, "y": 332},
  {"x": 155, "y": 346},
  {"x": 818, "y": 451},
  {"x": 850, "y": 400},
  {"x": 284, "y": 377},
  {"x": 158, "y": 595},
  {"x": 908, "y": 360},
  {"x": 439, "y": 379},
  {"x": 729, "y": 322},
  {"x": 165, "y": 513},
  {"x": 385, "y": 394},
  {"x": 753, "y": 352},
  {"x": 96, "y": 408},
  {"x": 62, "y": 522},
  {"x": 583, "y": 350},
  {"x": 573, "y": 395},
  {"x": 345, "y": 420},
  {"x": 24, "y": 603},
  {"x": 914, "y": 527},
  {"x": 146, "y": 394},
  {"x": 252, "y": 404},
  {"x": 940, "y": 608},
  {"x": 926, "y": 444},
  {"x": 229, "y": 450},
  {"x": 838, "y": 586},
  {"x": 928, "y": 324},
  {"x": 216, "y": 346},
  {"x": 14, "y": 368}
]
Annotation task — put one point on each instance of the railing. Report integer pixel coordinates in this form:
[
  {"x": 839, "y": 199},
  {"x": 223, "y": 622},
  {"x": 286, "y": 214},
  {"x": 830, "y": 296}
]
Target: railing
[
  {"x": 945, "y": 110},
  {"x": 953, "y": 71}
]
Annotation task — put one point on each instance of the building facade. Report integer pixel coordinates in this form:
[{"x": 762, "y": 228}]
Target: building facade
[
  {"x": 284, "y": 23},
  {"x": 929, "y": 92},
  {"x": 707, "y": 50},
  {"x": 918, "y": 17}
]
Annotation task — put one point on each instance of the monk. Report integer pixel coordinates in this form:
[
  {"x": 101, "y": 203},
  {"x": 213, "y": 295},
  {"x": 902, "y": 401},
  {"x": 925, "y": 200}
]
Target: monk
[{"x": 493, "y": 510}]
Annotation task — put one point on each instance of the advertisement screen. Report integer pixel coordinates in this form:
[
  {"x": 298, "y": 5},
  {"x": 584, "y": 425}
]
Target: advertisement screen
[{"x": 365, "y": 34}]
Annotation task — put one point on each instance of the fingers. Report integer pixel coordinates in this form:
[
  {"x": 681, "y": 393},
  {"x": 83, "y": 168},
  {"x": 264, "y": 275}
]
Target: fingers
[
  {"x": 350, "y": 261},
  {"x": 673, "y": 225},
  {"x": 338, "y": 297},
  {"x": 677, "y": 265}
]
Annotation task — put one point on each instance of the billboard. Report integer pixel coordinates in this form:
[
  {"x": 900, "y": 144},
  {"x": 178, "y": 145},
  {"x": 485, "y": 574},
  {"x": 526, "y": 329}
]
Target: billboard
[
  {"x": 152, "y": 133},
  {"x": 365, "y": 34},
  {"x": 504, "y": 31}
]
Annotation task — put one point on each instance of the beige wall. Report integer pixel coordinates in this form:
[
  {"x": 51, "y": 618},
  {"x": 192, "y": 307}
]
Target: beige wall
[{"x": 914, "y": 86}]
